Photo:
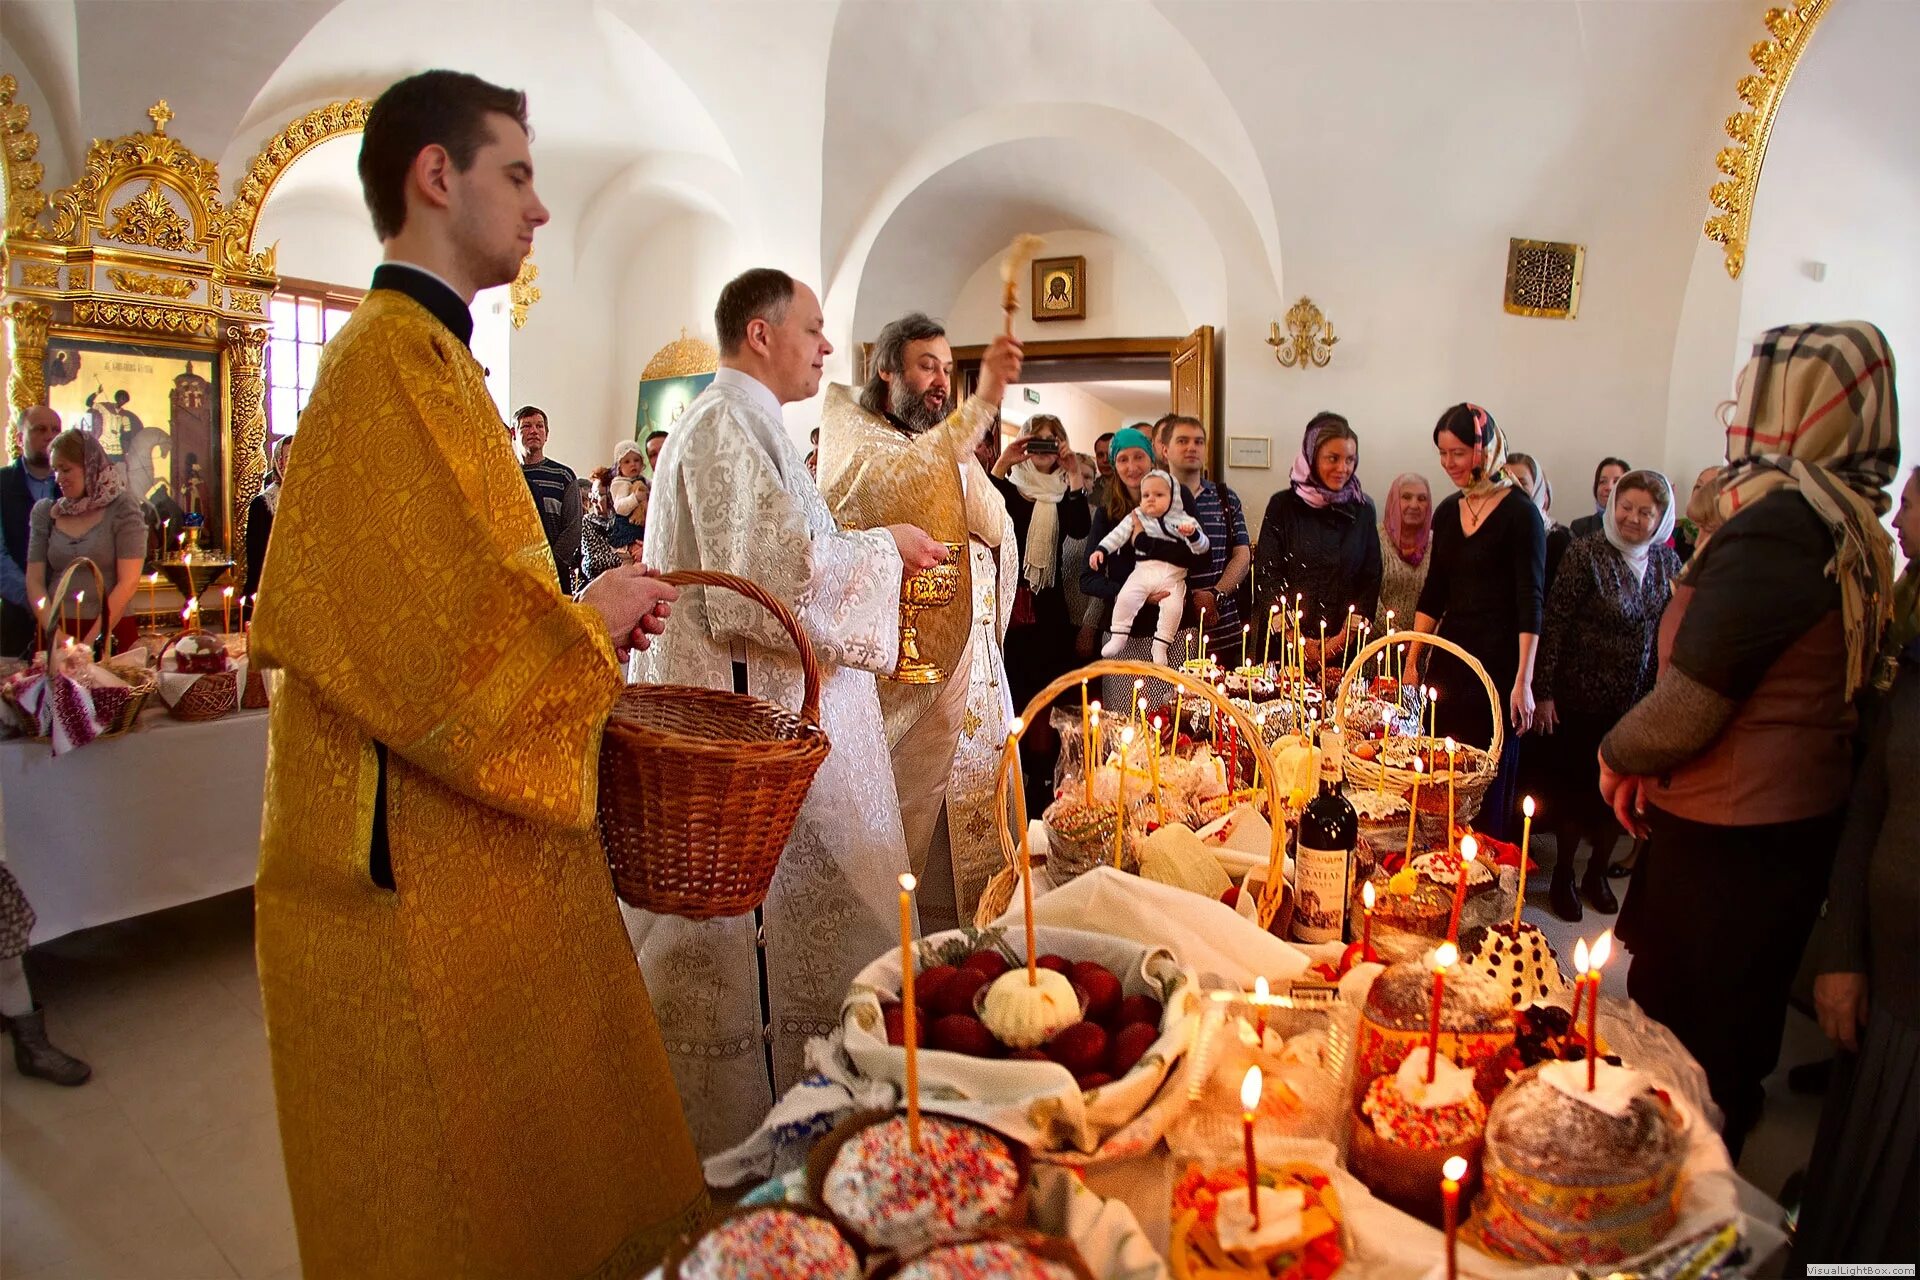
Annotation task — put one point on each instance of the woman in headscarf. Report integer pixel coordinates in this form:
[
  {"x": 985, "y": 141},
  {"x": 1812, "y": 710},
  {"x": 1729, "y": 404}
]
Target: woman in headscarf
[
  {"x": 1597, "y": 660},
  {"x": 1739, "y": 760},
  {"x": 97, "y": 518},
  {"x": 1484, "y": 592},
  {"x": 1406, "y": 531},
  {"x": 1319, "y": 540},
  {"x": 260, "y": 513},
  {"x": 1040, "y": 479},
  {"x": 1526, "y": 473}
]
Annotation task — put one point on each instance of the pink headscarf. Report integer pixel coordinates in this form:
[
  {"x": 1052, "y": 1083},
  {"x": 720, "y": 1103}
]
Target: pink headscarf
[
  {"x": 1306, "y": 482},
  {"x": 103, "y": 482},
  {"x": 1392, "y": 521}
]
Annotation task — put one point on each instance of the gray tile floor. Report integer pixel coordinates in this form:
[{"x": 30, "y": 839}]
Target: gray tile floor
[{"x": 167, "y": 1165}]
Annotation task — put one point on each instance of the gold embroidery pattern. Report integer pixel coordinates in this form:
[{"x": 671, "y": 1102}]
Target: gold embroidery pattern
[
  {"x": 253, "y": 304},
  {"x": 40, "y": 275},
  {"x": 134, "y": 315},
  {"x": 150, "y": 285}
]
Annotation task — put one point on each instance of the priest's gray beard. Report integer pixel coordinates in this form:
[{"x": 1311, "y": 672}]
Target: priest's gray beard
[{"x": 917, "y": 413}]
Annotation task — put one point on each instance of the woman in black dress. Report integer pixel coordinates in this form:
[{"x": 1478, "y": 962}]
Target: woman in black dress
[
  {"x": 1483, "y": 592},
  {"x": 1040, "y": 479},
  {"x": 1319, "y": 540},
  {"x": 1596, "y": 660},
  {"x": 260, "y": 513}
]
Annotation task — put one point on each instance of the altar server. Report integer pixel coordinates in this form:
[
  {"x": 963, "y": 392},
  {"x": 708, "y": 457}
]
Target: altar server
[
  {"x": 469, "y": 1077},
  {"x": 732, "y": 493}
]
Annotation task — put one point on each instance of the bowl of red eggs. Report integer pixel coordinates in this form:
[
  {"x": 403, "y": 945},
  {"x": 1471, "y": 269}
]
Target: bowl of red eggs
[{"x": 1073, "y": 1096}]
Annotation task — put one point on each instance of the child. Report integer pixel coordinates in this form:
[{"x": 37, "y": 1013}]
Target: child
[
  {"x": 629, "y": 497},
  {"x": 1165, "y": 541}
]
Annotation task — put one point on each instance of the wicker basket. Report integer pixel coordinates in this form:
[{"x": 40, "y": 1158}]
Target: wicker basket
[
  {"x": 699, "y": 788},
  {"x": 1470, "y": 784},
  {"x": 214, "y": 694},
  {"x": 998, "y": 895},
  {"x": 120, "y": 708}
]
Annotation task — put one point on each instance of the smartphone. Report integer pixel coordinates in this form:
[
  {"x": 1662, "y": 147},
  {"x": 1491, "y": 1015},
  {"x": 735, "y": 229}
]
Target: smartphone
[{"x": 1043, "y": 444}]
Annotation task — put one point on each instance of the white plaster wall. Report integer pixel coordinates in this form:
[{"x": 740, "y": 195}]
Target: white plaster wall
[
  {"x": 322, "y": 235},
  {"x": 1085, "y": 417},
  {"x": 1126, "y": 297}
]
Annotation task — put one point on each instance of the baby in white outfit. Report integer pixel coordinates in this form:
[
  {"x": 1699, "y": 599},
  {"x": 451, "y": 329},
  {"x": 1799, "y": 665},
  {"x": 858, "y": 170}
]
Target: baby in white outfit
[{"x": 1165, "y": 541}]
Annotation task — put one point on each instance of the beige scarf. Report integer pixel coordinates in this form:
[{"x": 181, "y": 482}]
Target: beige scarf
[{"x": 1044, "y": 489}]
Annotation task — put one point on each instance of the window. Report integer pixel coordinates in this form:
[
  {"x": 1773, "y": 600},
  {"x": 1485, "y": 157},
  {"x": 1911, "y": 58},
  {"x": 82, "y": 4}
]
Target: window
[{"x": 303, "y": 315}]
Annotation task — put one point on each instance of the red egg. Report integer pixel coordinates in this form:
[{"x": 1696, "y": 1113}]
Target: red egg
[
  {"x": 1231, "y": 897},
  {"x": 1138, "y": 1009},
  {"x": 964, "y": 1033},
  {"x": 927, "y": 983},
  {"x": 1028, "y": 1055},
  {"x": 1100, "y": 988},
  {"x": 1129, "y": 1046},
  {"x": 895, "y": 1016},
  {"x": 1080, "y": 1047},
  {"x": 956, "y": 993},
  {"x": 1091, "y": 1080},
  {"x": 1059, "y": 964},
  {"x": 991, "y": 963}
]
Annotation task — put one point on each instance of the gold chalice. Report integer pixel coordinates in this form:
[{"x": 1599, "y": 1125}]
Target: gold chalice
[{"x": 927, "y": 589}]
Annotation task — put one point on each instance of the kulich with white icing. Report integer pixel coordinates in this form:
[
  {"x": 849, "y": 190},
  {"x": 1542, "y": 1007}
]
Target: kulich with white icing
[
  {"x": 769, "y": 1244},
  {"x": 963, "y": 1179},
  {"x": 1522, "y": 964},
  {"x": 984, "y": 1260}
]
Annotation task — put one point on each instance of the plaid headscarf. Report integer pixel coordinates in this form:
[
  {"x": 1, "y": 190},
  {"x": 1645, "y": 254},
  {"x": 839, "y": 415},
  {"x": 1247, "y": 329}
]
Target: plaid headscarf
[{"x": 1817, "y": 412}]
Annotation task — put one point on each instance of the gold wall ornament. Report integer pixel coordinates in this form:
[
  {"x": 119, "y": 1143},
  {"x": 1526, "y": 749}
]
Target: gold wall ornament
[
  {"x": 294, "y": 140},
  {"x": 1789, "y": 30},
  {"x": 1543, "y": 278},
  {"x": 27, "y": 324},
  {"x": 40, "y": 275},
  {"x": 150, "y": 219},
  {"x": 246, "y": 391},
  {"x": 20, "y": 173},
  {"x": 150, "y": 285},
  {"x": 253, "y": 304},
  {"x": 154, "y": 156},
  {"x": 1309, "y": 337},
  {"x": 684, "y": 357},
  {"x": 524, "y": 292},
  {"x": 138, "y": 317}
]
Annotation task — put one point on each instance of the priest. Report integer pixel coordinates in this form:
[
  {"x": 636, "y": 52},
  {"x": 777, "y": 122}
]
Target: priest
[
  {"x": 903, "y": 448},
  {"x": 468, "y": 1074},
  {"x": 739, "y": 997}
]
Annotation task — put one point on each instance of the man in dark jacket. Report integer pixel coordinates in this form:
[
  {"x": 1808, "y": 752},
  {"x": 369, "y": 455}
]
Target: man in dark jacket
[{"x": 28, "y": 480}]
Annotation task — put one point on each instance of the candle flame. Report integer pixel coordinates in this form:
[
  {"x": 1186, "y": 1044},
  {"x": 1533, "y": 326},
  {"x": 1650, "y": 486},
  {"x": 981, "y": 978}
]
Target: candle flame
[
  {"x": 1601, "y": 950},
  {"x": 227, "y": 592},
  {"x": 1014, "y": 728},
  {"x": 1580, "y": 957},
  {"x": 1138, "y": 685},
  {"x": 907, "y": 882},
  {"x": 1526, "y": 806},
  {"x": 1454, "y": 1169},
  {"x": 1366, "y": 895},
  {"x": 1419, "y": 765},
  {"x": 1469, "y": 848},
  {"x": 1156, "y": 724},
  {"x": 1272, "y": 609},
  {"x": 1260, "y": 988},
  {"x": 1451, "y": 747},
  {"x": 1444, "y": 955},
  {"x": 79, "y": 598},
  {"x": 1250, "y": 1089},
  {"x": 1126, "y": 735}
]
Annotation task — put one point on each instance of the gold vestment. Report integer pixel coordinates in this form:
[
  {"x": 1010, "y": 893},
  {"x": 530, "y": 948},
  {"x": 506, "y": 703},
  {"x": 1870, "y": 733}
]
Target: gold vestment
[{"x": 469, "y": 1077}]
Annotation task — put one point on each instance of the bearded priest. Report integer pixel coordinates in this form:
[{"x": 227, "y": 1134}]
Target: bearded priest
[
  {"x": 902, "y": 448},
  {"x": 469, "y": 1077},
  {"x": 732, "y": 493}
]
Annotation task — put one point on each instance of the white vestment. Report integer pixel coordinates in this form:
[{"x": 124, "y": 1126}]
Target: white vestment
[{"x": 733, "y": 494}]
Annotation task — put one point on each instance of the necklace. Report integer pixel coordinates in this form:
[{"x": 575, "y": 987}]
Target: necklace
[{"x": 1479, "y": 513}]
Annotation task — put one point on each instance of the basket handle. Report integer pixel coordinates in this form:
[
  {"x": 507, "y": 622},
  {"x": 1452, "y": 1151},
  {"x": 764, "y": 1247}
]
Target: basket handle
[
  {"x": 809, "y": 665},
  {"x": 60, "y": 600},
  {"x": 1439, "y": 642}
]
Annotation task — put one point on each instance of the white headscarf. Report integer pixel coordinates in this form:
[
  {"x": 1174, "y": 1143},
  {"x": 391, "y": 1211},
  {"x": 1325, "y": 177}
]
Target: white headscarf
[{"x": 1636, "y": 553}]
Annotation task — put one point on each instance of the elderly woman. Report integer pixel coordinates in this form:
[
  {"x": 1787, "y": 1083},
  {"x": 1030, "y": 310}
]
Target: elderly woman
[
  {"x": 1406, "y": 532},
  {"x": 1484, "y": 592},
  {"x": 597, "y": 552},
  {"x": 1740, "y": 759},
  {"x": 1045, "y": 490},
  {"x": 1319, "y": 541},
  {"x": 260, "y": 513},
  {"x": 96, "y": 518},
  {"x": 1597, "y": 660}
]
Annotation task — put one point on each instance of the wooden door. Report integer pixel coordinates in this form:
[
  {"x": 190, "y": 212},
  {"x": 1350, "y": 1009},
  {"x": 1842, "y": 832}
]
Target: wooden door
[{"x": 1190, "y": 372}]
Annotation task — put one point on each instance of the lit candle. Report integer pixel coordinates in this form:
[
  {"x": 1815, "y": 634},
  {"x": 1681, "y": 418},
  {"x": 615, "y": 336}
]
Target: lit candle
[
  {"x": 1249, "y": 1104},
  {"x": 1450, "y": 773},
  {"x": 1601, "y": 950},
  {"x": 1433, "y": 712},
  {"x": 246, "y": 617},
  {"x": 40, "y": 624},
  {"x": 1086, "y": 741},
  {"x": 1413, "y": 805},
  {"x": 1345, "y": 631},
  {"x": 1322, "y": 655},
  {"x": 1246, "y": 634},
  {"x": 1366, "y": 915},
  {"x": 1138, "y": 708},
  {"x": 1120, "y": 795},
  {"x": 1266, "y": 645},
  {"x": 1443, "y": 957},
  {"x": 1451, "y": 1173},
  {"x": 909, "y": 1027},
  {"x": 1153, "y": 763},
  {"x": 1579, "y": 983},
  {"x": 1261, "y": 994},
  {"x": 79, "y": 599},
  {"x": 226, "y": 608},
  {"x": 1526, "y": 838},
  {"x": 1026, "y": 853},
  {"x": 153, "y": 583},
  {"x": 1469, "y": 850}
]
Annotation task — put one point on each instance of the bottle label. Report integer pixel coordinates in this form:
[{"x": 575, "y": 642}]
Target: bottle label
[
  {"x": 1331, "y": 743},
  {"x": 1320, "y": 894}
]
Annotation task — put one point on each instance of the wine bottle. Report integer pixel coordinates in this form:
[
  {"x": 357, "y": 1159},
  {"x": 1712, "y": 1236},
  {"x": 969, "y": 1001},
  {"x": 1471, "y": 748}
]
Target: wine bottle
[{"x": 1323, "y": 853}]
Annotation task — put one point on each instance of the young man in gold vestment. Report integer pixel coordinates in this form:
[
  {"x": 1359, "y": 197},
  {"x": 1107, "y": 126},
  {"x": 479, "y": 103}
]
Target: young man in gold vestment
[{"x": 469, "y": 1076}]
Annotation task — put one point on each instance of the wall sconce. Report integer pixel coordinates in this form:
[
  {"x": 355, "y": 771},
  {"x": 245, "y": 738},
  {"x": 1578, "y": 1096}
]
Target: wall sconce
[{"x": 1309, "y": 337}]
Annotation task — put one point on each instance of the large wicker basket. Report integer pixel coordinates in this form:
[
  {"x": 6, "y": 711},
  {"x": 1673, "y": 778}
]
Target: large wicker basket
[
  {"x": 1470, "y": 784},
  {"x": 699, "y": 788},
  {"x": 1011, "y": 788},
  {"x": 120, "y": 708},
  {"x": 214, "y": 694}
]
